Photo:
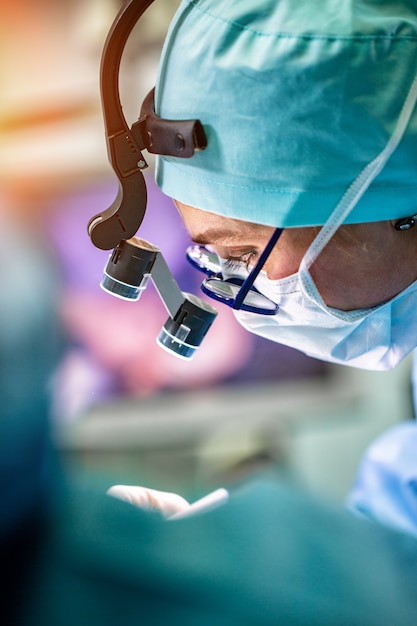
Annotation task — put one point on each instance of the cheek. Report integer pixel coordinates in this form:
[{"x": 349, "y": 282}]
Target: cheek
[
  {"x": 282, "y": 267},
  {"x": 285, "y": 260},
  {"x": 351, "y": 282}
]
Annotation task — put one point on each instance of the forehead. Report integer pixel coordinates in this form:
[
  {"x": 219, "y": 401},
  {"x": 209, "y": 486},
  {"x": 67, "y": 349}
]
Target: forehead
[{"x": 205, "y": 227}]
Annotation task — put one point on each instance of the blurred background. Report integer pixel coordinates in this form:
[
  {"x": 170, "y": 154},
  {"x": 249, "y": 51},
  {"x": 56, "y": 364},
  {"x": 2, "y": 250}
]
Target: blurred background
[{"x": 123, "y": 408}]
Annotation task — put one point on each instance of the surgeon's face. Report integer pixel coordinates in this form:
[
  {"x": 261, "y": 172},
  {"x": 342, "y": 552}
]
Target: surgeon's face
[{"x": 362, "y": 266}]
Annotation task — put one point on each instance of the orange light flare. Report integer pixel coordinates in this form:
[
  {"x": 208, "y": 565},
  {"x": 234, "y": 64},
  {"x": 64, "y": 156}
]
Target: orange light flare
[{"x": 51, "y": 134}]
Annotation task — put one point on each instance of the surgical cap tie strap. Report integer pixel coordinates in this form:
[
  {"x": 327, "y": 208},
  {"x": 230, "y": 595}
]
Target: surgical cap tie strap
[{"x": 356, "y": 190}]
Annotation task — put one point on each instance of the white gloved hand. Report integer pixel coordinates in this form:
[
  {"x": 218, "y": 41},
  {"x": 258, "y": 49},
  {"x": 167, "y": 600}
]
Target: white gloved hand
[
  {"x": 171, "y": 505},
  {"x": 150, "y": 499}
]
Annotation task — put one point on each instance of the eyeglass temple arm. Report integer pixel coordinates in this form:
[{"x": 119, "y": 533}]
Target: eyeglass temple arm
[{"x": 243, "y": 291}]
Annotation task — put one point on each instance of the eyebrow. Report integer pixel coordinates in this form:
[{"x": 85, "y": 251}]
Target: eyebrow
[{"x": 211, "y": 235}]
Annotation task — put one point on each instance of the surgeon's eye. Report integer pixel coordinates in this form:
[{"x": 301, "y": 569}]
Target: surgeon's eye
[
  {"x": 244, "y": 261},
  {"x": 232, "y": 265}
]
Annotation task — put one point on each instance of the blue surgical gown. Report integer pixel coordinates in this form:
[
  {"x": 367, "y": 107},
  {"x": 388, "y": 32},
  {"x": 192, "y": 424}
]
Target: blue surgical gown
[{"x": 386, "y": 484}]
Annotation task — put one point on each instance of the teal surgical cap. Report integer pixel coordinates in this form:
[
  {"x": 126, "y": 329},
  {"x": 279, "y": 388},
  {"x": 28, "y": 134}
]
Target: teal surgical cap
[{"x": 296, "y": 97}]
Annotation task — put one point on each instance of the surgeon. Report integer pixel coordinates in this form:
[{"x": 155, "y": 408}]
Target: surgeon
[
  {"x": 311, "y": 127},
  {"x": 311, "y": 123}
]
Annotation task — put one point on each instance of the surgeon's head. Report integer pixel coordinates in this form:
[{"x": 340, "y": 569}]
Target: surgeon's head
[{"x": 311, "y": 126}]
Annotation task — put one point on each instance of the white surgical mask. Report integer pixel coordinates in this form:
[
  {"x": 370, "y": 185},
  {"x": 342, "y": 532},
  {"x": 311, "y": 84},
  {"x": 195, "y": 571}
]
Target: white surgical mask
[{"x": 376, "y": 338}]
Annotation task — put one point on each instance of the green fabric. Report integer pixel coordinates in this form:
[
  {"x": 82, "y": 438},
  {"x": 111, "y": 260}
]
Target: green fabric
[
  {"x": 296, "y": 98},
  {"x": 270, "y": 556},
  {"x": 74, "y": 557},
  {"x": 30, "y": 347}
]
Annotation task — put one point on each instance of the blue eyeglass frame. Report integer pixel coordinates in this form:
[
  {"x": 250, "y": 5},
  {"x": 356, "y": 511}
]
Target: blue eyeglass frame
[{"x": 243, "y": 286}]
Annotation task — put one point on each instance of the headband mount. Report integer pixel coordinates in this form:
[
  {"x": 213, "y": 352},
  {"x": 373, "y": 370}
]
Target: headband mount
[{"x": 178, "y": 138}]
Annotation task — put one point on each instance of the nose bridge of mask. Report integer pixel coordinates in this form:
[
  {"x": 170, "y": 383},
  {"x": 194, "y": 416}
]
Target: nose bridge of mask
[{"x": 358, "y": 187}]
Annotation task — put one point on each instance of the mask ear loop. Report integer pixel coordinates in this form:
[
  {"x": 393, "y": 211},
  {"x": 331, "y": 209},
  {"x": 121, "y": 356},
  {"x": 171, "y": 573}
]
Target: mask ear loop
[{"x": 356, "y": 190}]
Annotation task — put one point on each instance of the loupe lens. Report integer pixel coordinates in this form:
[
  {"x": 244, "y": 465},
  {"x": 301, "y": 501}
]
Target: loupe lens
[
  {"x": 183, "y": 334},
  {"x": 203, "y": 259},
  {"x": 128, "y": 269},
  {"x": 122, "y": 290},
  {"x": 174, "y": 345},
  {"x": 227, "y": 291}
]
